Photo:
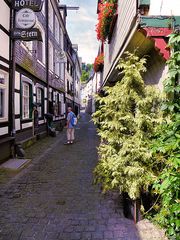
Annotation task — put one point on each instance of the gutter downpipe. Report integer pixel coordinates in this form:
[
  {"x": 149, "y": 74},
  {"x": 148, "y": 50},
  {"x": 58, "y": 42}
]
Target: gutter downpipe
[
  {"x": 12, "y": 129},
  {"x": 47, "y": 51}
]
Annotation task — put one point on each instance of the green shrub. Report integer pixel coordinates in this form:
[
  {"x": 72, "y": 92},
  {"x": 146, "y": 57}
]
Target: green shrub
[{"x": 127, "y": 117}]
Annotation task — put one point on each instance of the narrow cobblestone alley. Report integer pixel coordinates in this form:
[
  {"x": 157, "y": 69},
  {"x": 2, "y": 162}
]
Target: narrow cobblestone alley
[{"x": 55, "y": 198}]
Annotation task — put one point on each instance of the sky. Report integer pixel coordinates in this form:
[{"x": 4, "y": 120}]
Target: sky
[{"x": 81, "y": 27}]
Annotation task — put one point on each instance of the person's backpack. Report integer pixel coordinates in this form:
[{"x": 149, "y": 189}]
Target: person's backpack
[{"x": 73, "y": 120}]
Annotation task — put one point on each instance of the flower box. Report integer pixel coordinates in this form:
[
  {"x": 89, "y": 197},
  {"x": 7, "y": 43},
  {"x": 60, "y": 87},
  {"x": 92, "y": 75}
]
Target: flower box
[
  {"x": 107, "y": 11},
  {"x": 99, "y": 63}
]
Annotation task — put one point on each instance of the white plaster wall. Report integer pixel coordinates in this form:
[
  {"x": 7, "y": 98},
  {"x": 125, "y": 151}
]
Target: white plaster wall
[
  {"x": 45, "y": 92},
  {"x": 4, "y": 15},
  {"x": 17, "y": 124},
  {"x": 26, "y": 125},
  {"x": 3, "y": 131},
  {"x": 17, "y": 80},
  {"x": 4, "y": 48},
  {"x": 4, "y": 64},
  {"x": 34, "y": 88},
  {"x": 165, "y": 7},
  {"x": 45, "y": 106},
  {"x": 17, "y": 103}
]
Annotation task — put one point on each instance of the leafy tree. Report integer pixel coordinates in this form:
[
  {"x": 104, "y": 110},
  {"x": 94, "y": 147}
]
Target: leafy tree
[
  {"x": 127, "y": 117},
  {"x": 167, "y": 148},
  {"x": 86, "y": 71},
  {"x": 84, "y": 76}
]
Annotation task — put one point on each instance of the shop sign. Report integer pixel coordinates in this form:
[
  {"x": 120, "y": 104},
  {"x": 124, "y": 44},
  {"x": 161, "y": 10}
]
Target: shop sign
[
  {"x": 35, "y": 5},
  {"x": 25, "y": 18},
  {"x": 27, "y": 35}
]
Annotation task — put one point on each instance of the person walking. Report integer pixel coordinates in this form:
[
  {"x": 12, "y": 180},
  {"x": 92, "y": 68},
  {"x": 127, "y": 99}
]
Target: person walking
[{"x": 70, "y": 126}]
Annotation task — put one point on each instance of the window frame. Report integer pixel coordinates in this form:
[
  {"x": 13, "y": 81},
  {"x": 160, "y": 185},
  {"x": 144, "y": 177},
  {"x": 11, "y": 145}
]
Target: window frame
[
  {"x": 41, "y": 102},
  {"x": 30, "y": 100},
  {"x": 51, "y": 56},
  {"x": 27, "y": 97},
  {"x": 51, "y": 16},
  {"x": 4, "y": 86}
]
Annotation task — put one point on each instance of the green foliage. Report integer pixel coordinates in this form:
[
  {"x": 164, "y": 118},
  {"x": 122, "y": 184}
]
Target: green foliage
[
  {"x": 171, "y": 84},
  {"x": 84, "y": 76},
  {"x": 127, "y": 118},
  {"x": 86, "y": 71},
  {"x": 167, "y": 148}
]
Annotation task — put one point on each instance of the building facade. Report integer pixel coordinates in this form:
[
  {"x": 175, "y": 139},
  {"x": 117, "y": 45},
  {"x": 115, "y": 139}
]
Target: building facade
[
  {"x": 40, "y": 76},
  {"x": 89, "y": 91},
  {"x": 144, "y": 26},
  {"x": 5, "y": 138}
]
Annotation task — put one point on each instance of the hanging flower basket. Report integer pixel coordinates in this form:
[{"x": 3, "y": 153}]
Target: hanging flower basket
[
  {"x": 107, "y": 10},
  {"x": 99, "y": 63}
]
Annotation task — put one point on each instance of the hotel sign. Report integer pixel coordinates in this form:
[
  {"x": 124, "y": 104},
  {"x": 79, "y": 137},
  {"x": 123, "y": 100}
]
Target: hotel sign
[
  {"x": 26, "y": 35},
  {"x": 35, "y": 5},
  {"x": 25, "y": 18}
]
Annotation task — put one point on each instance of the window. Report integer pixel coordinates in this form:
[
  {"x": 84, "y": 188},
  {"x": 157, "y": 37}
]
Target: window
[
  {"x": 51, "y": 57},
  {"x": 67, "y": 65},
  {"x": 71, "y": 71},
  {"x": 59, "y": 106},
  {"x": 40, "y": 51},
  {"x": 41, "y": 45},
  {"x": 56, "y": 112},
  {"x": 57, "y": 29},
  {"x": 68, "y": 86},
  {"x": 43, "y": 8},
  {"x": 61, "y": 40},
  {"x": 3, "y": 94},
  {"x": 25, "y": 100},
  {"x": 57, "y": 64},
  {"x": 50, "y": 15},
  {"x": 39, "y": 100}
]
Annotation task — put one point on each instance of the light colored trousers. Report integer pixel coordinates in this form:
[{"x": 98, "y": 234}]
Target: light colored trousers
[{"x": 70, "y": 134}]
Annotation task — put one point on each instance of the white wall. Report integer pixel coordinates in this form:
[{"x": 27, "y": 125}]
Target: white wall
[
  {"x": 5, "y": 15},
  {"x": 126, "y": 14},
  {"x": 4, "y": 48},
  {"x": 165, "y": 7}
]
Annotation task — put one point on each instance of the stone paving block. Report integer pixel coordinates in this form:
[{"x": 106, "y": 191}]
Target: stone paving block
[
  {"x": 108, "y": 235},
  {"x": 69, "y": 229},
  {"x": 51, "y": 236},
  {"x": 76, "y": 236},
  {"x": 86, "y": 236},
  {"x": 90, "y": 228},
  {"x": 98, "y": 235},
  {"x": 79, "y": 228}
]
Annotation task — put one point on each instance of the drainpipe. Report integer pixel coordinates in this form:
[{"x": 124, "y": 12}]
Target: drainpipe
[
  {"x": 47, "y": 51},
  {"x": 12, "y": 79}
]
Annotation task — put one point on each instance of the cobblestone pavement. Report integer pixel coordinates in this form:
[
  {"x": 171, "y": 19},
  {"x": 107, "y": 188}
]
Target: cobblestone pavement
[{"x": 55, "y": 198}]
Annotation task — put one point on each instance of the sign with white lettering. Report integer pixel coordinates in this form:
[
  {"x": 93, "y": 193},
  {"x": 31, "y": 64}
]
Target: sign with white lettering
[
  {"x": 35, "y": 5},
  {"x": 26, "y": 35},
  {"x": 25, "y": 18}
]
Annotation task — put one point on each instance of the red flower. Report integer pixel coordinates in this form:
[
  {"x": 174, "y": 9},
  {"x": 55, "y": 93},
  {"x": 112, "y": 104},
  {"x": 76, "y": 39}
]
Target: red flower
[
  {"x": 99, "y": 62},
  {"x": 105, "y": 16}
]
